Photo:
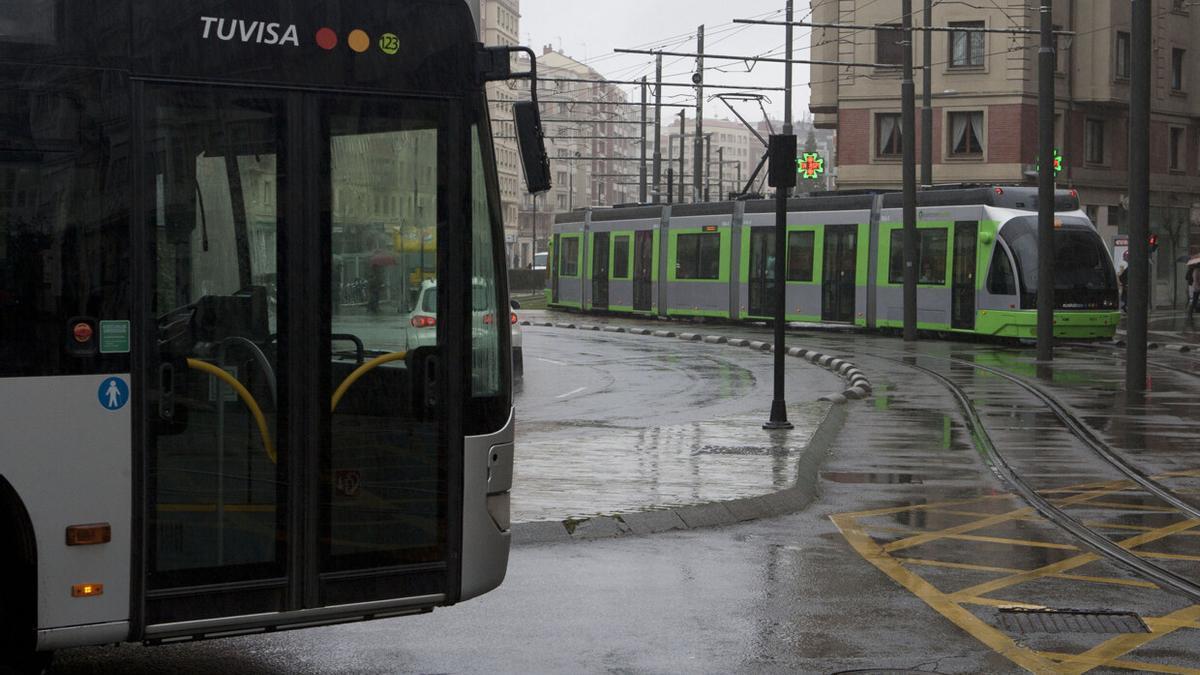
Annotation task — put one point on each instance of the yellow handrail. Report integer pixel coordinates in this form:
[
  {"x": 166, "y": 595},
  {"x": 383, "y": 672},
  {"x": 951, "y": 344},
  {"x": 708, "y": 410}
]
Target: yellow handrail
[
  {"x": 359, "y": 372},
  {"x": 245, "y": 395}
]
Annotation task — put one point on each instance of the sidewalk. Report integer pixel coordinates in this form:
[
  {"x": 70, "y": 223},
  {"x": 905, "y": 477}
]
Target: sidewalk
[{"x": 581, "y": 479}]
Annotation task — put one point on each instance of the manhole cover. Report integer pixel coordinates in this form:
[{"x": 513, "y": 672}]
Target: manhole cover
[{"x": 1026, "y": 621}]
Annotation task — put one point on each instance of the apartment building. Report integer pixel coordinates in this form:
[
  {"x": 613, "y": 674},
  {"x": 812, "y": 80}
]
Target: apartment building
[
  {"x": 985, "y": 106},
  {"x": 499, "y": 25},
  {"x": 592, "y": 139}
]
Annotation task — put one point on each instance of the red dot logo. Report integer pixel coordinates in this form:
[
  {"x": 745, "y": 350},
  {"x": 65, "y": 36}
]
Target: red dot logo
[{"x": 326, "y": 38}]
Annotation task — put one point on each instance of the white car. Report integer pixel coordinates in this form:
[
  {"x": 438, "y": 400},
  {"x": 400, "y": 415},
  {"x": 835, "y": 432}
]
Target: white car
[
  {"x": 540, "y": 260},
  {"x": 423, "y": 321}
]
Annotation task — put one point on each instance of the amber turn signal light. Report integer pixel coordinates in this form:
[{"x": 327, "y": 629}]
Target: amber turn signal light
[
  {"x": 89, "y": 535},
  {"x": 87, "y": 590}
]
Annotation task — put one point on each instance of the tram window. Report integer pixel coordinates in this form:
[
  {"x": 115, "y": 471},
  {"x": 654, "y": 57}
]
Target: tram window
[
  {"x": 1001, "y": 279},
  {"x": 570, "y": 256},
  {"x": 698, "y": 256},
  {"x": 931, "y": 257},
  {"x": 621, "y": 257},
  {"x": 800, "y": 256}
]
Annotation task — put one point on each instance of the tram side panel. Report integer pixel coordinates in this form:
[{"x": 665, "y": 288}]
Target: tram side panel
[
  {"x": 698, "y": 266},
  {"x": 935, "y": 264}
]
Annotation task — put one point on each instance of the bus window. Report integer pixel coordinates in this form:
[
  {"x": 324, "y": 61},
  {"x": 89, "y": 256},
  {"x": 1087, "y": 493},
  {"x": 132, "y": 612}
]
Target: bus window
[
  {"x": 487, "y": 371},
  {"x": 30, "y": 21}
]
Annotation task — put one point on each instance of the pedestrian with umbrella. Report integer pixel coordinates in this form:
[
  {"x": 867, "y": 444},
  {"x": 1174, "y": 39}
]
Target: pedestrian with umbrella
[{"x": 1193, "y": 279}]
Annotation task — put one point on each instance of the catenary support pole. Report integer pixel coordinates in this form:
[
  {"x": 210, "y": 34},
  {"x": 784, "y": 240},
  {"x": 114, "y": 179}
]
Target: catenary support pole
[
  {"x": 698, "y": 150},
  {"x": 907, "y": 138},
  {"x": 658, "y": 89},
  {"x": 927, "y": 100},
  {"x": 708, "y": 167},
  {"x": 1138, "y": 293},
  {"x": 721, "y": 173},
  {"x": 643, "y": 189},
  {"x": 670, "y": 185},
  {"x": 682, "y": 156},
  {"x": 1045, "y": 290},
  {"x": 779, "y": 417}
]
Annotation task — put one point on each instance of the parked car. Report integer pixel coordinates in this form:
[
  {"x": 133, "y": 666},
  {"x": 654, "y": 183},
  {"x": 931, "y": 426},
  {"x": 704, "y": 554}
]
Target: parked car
[{"x": 422, "y": 330}]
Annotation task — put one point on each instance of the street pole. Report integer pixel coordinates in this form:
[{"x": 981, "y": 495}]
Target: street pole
[
  {"x": 643, "y": 188},
  {"x": 682, "y": 155},
  {"x": 698, "y": 150},
  {"x": 658, "y": 129},
  {"x": 779, "y": 419},
  {"x": 907, "y": 133},
  {"x": 535, "y": 246},
  {"x": 721, "y": 174},
  {"x": 707, "y": 166},
  {"x": 1138, "y": 293},
  {"x": 927, "y": 101},
  {"x": 1045, "y": 291}
]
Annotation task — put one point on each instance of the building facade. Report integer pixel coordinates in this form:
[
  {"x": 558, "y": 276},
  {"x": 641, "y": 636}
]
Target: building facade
[
  {"x": 985, "y": 122},
  {"x": 499, "y": 25},
  {"x": 592, "y": 135}
]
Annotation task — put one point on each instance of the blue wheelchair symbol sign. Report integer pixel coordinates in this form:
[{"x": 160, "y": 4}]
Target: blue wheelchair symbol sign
[{"x": 114, "y": 393}]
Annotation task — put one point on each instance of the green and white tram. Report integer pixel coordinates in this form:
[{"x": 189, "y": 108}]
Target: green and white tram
[
  {"x": 215, "y": 218},
  {"x": 977, "y": 265}
]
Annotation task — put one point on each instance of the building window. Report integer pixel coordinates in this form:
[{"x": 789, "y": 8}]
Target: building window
[
  {"x": 966, "y": 134},
  {"x": 1094, "y": 142},
  {"x": 1175, "y": 156},
  {"x": 887, "y": 135},
  {"x": 889, "y": 45},
  {"x": 966, "y": 46},
  {"x": 1177, "y": 69},
  {"x": 1123, "y": 55}
]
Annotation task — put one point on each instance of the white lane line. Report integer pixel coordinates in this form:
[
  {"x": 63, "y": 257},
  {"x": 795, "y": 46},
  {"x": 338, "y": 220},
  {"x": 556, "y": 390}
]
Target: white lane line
[
  {"x": 557, "y": 363},
  {"x": 569, "y": 393}
]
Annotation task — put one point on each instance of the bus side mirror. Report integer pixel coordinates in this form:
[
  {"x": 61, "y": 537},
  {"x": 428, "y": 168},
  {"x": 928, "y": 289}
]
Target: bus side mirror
[{"x": 532, "y": 144}]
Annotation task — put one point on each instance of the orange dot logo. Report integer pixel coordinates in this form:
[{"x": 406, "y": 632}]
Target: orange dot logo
[{"x": 358, "y": 40}]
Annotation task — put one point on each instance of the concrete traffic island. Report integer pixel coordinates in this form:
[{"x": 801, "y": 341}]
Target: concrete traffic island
[{"x": 705, "y": 473}]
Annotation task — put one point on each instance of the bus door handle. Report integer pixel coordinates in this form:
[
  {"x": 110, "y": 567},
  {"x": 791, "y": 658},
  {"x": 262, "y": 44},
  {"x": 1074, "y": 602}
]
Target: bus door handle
[{"x": 166, "y": 391}]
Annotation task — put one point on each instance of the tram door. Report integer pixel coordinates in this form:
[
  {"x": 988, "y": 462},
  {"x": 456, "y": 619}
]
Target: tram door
[
  {"x": 555, "y": 266},
  {"x": 643, "y": 265},
  {"x": 762, "y": 271},
  {"x": 600, "y": 266},
  {"x": 962, "y": 314},
  {"x": 840, "y": 263}
]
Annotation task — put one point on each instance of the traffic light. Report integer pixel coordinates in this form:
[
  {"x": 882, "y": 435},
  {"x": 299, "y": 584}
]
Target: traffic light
[{"x": 1153, "y": 243}]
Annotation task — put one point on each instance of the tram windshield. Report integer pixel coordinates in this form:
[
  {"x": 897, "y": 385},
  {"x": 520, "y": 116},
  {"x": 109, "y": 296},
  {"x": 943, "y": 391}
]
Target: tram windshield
[{"x": 1083, "y": 272}]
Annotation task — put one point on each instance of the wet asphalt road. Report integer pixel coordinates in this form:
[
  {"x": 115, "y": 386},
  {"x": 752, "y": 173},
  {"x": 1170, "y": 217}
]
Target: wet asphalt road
[{"x": 907, "y": 561}]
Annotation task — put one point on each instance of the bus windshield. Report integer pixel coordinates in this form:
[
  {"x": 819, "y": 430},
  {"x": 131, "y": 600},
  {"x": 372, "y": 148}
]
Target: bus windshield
[{"x": 1083, "y": 273}]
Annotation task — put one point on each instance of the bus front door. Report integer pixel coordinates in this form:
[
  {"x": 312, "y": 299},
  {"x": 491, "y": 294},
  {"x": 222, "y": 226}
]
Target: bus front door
[{"x": 296, "y": 456}]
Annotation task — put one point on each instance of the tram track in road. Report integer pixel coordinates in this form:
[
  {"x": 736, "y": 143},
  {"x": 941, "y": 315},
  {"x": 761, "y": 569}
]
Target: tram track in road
[{"x": 1048, "y": 500}]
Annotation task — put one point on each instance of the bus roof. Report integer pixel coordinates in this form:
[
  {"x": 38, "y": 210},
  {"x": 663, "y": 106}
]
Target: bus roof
[{"x": 405, "y": 45}]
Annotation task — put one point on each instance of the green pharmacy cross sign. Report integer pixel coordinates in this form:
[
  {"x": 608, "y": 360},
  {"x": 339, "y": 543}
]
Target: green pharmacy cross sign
[
  {"x": 1058, "y": 163},
  {"x": 811, "y": 165}
]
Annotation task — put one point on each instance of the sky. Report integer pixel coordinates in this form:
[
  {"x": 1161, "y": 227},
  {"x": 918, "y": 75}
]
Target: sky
[{"x": 589, "y": 31}]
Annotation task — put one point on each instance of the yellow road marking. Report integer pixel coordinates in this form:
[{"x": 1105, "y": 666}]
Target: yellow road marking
[
  {"x": 994, "y": 602},
  {"x": 1029, "y": 543},
  {"x": 1122, "y": 506},
  {"x": 1131, "y": 665},
  {"x": 1137, "y": 583},
  {"x": 1169, "y": 556},
  {"x": 976, "y": 627},
  {"x": 1121, "y": 645}
]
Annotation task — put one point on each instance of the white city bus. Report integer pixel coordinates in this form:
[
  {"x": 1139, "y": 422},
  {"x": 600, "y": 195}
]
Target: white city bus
[{"x": 214, "y": 217}]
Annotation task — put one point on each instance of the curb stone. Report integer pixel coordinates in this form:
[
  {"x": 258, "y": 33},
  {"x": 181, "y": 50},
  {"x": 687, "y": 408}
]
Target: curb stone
[{"x": 782, "y": 502}]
